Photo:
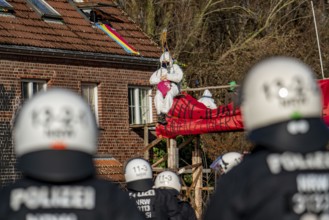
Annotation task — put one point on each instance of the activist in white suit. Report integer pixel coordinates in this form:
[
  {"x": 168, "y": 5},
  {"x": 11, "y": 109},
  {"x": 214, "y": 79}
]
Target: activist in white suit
[
  {"x": 167, "y": 79},
  {"x": 207, "y": 100}
]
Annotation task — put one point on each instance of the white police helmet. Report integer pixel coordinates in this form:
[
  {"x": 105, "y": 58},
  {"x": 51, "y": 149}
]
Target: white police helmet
[
  {"x": 229, "y": 160},
  {"x": 55, "y": 136},
  {"x": 138, "y": 174},
  {"x": 282, "y": 106},
  {"x": 168, "y": 179}
]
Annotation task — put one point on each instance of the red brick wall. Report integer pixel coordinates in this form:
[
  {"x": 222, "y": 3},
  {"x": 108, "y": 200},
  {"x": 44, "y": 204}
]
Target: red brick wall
[{"x": 116, "y": 138}]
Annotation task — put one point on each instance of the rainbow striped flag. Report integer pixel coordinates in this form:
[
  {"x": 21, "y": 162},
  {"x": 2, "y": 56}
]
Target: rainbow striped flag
[{"x": 117, "y": 38}]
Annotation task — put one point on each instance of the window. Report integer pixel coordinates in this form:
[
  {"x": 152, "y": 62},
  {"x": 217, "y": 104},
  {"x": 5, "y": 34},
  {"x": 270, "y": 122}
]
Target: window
[
  {"x": 90, "y": 94},
  {"x": 140, "y": 105},
  {"x": 31, "y": 87},
  {"x": 45, "y": 10},
  {"x": 5, "y": 7}
]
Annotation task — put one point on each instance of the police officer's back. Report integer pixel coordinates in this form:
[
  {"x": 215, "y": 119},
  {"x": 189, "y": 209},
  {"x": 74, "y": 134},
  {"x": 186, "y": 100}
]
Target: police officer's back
[
  {"x": 287, "y": 174},
  {"x": 170, "y": 181},
  {"x": 55, "y": 138},
  {"x": 153, "y": 203}
]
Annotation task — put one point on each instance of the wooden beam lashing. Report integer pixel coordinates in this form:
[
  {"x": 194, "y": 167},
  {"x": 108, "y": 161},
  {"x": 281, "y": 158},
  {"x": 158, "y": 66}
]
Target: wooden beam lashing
[{"x": 183, "y": 169}]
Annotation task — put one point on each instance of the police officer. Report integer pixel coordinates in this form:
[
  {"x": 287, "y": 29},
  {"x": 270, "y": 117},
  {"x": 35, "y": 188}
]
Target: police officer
[
  {"x": 224, "y": 163},
  {"x": 230, "y": 160},
  {"x": 55, "y": 138},
  {"x": 286, "y": 176},
  {"x": 154, "y": 203},
  {"x": 170, "y": 181}
]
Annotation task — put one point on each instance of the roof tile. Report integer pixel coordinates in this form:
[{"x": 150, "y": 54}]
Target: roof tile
[{"x": 109, "y": 169}]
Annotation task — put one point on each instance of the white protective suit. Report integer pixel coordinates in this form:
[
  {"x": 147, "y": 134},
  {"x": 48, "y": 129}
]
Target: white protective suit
[
  {"x": 207, "y": 100},
  {"x": 174, "y": 74}
]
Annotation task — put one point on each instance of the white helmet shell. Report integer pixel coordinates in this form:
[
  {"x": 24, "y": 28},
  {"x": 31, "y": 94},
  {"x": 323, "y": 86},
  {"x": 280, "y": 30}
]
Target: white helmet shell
[
  {"x": 230, "y": 160},
  {"x": 55, "y": 119},
  {"x": 168, "y": 179},
  {"x": 138, "y": 174},
  {"x": 276, "y": 94},
  {"x": 283, "y": 87},
  {"x": 55, "y": 136}
]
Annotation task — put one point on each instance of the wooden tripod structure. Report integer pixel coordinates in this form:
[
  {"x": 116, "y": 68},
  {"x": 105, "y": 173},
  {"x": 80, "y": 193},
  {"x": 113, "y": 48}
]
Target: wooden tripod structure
[{"x": 194, "y": 192}]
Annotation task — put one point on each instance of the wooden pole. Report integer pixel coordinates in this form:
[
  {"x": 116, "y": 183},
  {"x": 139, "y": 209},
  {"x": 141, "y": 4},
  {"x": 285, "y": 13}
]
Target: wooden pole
[
  {"x": 172, "y": 154},
  {"x": 189, "y": 140},
  {"x": 164, "y": 158},
  {"x": 317, "y": 39},
  {"x": 209, "y": 87},
  {"x": 197, "y": 178},
  {"x": 149, "y": 146},
  {"x": 146, "y": 142}
]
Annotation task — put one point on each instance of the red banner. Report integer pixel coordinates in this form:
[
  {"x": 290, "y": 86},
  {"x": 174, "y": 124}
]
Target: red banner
[
  {"x": 188, "y": 116},
  {"x": 324, "y": 85}
]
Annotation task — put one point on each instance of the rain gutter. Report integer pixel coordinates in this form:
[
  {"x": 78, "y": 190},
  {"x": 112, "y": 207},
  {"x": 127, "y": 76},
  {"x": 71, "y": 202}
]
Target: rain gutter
[{"x": 132, "y": 61}]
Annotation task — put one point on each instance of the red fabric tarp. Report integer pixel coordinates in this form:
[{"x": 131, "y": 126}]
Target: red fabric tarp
[
  {"x": 324, "y": 85},
  {"x": 187, "y": 116}
]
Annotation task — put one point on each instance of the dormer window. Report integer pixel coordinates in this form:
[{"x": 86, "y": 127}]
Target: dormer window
[
  {"x": 5, "y": 7},
  {"x": 97, "y": 14},
  {"x": 45, "y": 10}
]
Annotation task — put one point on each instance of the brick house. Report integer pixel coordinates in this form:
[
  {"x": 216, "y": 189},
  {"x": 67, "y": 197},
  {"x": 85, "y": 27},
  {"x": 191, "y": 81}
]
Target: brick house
[{"x": 57, "y": 43}]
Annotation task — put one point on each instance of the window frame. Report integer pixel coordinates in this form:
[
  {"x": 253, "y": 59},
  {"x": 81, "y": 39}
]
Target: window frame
[
  {"x": 54, "y": 15},
  {"x": 30, "y": 83},
  {"x": 7, "y": 6},
  {"x": 136, "y": 120},
  {"x": 95, "y": 88}
]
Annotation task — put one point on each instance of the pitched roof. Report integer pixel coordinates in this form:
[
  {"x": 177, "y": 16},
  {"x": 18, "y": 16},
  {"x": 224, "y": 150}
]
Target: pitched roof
[{"x": 76, "y": 33}]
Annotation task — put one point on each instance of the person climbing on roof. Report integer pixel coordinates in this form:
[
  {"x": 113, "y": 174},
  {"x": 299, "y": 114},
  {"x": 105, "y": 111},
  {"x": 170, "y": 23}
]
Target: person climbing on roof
[{"x": 167, "y": 78}]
